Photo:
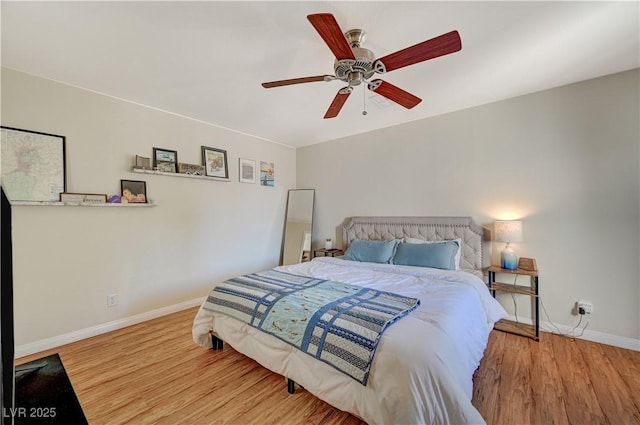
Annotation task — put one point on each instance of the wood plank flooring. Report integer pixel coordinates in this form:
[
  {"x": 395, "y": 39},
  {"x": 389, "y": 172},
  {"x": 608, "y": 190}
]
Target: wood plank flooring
[
  {"x": 558, "y": 380},
  {"x": 152, "y": 373}
]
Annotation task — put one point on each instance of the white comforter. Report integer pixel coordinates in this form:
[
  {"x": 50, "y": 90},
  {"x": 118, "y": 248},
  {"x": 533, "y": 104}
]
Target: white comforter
[{"x": 423, "y": 368}]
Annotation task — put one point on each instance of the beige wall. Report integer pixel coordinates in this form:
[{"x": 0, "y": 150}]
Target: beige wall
[
  {"x": 68, "y": 259},
  {"x": 565, "y": 161}
]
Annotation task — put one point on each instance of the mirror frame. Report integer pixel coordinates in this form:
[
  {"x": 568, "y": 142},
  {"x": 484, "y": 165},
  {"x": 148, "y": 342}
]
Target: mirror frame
[{"x": 286, "y": 215}]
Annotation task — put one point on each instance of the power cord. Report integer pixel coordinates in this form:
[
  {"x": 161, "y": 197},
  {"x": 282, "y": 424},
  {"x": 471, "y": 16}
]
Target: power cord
[
  {"x": 558, "y": 331},
  {"x": 515, "y": 305},
  {"x": 567, "y": 334}
]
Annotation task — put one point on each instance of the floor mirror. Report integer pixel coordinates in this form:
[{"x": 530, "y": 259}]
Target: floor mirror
[{"x": 298, "y": 227}]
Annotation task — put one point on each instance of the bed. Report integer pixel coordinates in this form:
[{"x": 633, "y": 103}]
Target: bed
[{"x": 424, "y": 363}]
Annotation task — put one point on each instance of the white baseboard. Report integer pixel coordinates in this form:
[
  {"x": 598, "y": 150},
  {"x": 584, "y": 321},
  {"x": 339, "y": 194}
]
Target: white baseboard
[
  {"x": 56, "y": 341},
  {"x": 589, "y": 335}
]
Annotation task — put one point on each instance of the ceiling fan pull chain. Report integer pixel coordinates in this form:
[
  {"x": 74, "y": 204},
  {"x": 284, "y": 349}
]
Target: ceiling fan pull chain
[{"x": 364, "y": 100}]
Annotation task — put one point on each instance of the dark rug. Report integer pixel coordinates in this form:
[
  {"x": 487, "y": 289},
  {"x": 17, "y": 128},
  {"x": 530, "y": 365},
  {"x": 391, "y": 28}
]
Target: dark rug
[{"x": 44, "y": 395}]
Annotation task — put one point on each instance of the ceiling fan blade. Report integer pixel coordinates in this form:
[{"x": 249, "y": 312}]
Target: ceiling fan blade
[
  {"x": 331, "y": 33},
  {"x": 439, "y": 46},
  {"x": 280, "y": 83},
  {"x": 338, "y": 102},
  {"x": 394, "y": 93}
]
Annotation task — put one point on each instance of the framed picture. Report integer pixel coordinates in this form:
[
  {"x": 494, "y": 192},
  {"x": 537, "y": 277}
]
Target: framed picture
[
  {"x": 33, "y": 165},
  {"x": 215, "y": 162},
  {"x": 165, "y": 160},
  {"x": 143, "y": 162},
  {"x": 267, "y": 174},
  {"x": 247, "y": 171},
  {"x": 133, "y": 191},
  {"x": 191, "y": 169},
  {"x": 83, "y": 198}
]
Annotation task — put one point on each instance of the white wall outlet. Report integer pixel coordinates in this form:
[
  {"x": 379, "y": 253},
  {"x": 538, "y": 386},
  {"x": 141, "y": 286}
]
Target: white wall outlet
[
  {"x": 586, "y": 305},
  {"x": 112, "y": 300}
]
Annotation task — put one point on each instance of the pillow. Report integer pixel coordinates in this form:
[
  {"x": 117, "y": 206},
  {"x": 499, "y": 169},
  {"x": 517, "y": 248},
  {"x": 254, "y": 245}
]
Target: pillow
[
  {"x": 371, "y": 251},
  {"x": 435, "y": 255},
  {"x": 458, "y": 252}
]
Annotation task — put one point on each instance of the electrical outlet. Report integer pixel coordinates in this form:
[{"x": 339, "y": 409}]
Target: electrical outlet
[
  {"x": 112, "y": 300},
  {"x": 586, "y": 306}
]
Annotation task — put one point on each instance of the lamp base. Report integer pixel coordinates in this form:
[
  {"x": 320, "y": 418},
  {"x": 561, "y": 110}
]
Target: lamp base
[{"x": 508, "y": 258}]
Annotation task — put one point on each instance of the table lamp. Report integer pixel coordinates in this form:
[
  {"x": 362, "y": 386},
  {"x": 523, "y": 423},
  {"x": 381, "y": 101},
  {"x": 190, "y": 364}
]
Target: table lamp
[{"x": 508, "y": 231}]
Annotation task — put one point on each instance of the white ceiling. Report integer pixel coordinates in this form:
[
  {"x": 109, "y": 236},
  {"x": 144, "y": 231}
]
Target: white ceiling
[{"x": 206, "y": 60}]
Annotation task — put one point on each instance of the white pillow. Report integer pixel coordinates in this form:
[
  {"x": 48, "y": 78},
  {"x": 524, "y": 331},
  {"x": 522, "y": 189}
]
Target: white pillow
[{"x": 456, "y": 260}]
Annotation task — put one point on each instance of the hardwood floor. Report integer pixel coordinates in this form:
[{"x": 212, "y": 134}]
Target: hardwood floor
[
  {"x": 557, "y": 381},
  {"x": 152, "y": 373}
]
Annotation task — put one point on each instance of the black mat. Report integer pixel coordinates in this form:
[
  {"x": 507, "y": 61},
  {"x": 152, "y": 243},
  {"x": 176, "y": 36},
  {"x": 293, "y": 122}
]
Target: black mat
[{"x": 44, "y": 395}]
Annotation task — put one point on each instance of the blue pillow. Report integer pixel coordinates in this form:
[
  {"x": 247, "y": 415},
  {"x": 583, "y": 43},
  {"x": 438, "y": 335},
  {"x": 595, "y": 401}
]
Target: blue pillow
[
  {"x": 435, "y": 255},
  {"x": 371, "y": 251}
]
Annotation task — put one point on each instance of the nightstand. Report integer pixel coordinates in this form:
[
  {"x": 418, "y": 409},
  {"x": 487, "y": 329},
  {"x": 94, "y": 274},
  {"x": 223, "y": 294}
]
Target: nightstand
[
  {"x": 327, "y": 252},
  {"x": 531, "y": 331}
]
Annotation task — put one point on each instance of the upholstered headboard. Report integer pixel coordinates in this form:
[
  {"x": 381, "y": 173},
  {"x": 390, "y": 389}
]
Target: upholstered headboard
[{"x": 427, "y": 228}]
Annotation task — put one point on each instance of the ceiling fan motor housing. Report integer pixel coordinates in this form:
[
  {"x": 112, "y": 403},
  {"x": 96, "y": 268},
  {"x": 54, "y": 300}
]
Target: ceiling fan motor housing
[{"x": 354, "y": 72}]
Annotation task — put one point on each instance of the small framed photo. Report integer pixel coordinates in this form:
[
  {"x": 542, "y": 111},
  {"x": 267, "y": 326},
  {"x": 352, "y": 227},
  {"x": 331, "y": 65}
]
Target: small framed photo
[
  {"x": 165, "y": 160},
  {"x": 133, "y": 191},
  {"x": 267, "y": 174},
  {"x": 191, "y": 169},
  {"x": 83, "y": 198},
  {"x": 247, "y": 171},
  {"x": 215, "y": 162},
  {"x": 143, "y": 162}
]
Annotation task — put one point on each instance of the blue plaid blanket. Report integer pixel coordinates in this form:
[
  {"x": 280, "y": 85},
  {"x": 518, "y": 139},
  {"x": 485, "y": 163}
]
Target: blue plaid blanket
[{"x": 337, "y": 323}]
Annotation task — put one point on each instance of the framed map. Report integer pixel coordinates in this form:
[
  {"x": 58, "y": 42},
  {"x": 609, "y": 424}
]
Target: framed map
[{"x": 33, "y": 165}]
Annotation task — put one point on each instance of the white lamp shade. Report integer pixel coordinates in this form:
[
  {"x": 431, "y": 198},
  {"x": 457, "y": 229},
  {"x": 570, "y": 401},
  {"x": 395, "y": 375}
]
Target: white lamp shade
[{"x": 508, "y": 231}]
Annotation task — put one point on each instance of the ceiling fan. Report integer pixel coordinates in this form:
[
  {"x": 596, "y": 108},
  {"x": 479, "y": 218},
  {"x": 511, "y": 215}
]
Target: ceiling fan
[{"x": 355, "y": 64}]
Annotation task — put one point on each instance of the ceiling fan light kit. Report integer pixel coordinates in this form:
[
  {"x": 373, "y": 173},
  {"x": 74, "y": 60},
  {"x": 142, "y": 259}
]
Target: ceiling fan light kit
[{"x": 355, "y": 65}]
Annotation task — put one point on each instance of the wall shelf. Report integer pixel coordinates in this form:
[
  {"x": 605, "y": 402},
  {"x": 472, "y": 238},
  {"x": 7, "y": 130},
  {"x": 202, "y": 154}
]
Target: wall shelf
[
  {"x": 189, "y": 176},
  {"x": 70, "y": 204}
]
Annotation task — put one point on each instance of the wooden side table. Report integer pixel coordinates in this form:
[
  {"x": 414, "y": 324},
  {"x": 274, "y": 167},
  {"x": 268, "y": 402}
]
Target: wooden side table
[
  {"x": 327, "y": 252},
  {"x": 530, "y": 331}
]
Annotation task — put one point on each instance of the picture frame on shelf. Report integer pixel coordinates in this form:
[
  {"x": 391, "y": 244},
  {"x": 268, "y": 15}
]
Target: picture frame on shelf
[
  {"x": 165, "y": 160},
  {"x": 37, "y": 157},
  {"x": 528, "y": 264},
  {"x": 191, "y": 169},
  {"x": 267, "y": 174},
  {"x": 215, "y": 162},
  {"x": 247, "y": 170},
  {"x": 143, "y": 163},
  {"x": 83, "y": 198},
  {"x": 133, "y": 191}
]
